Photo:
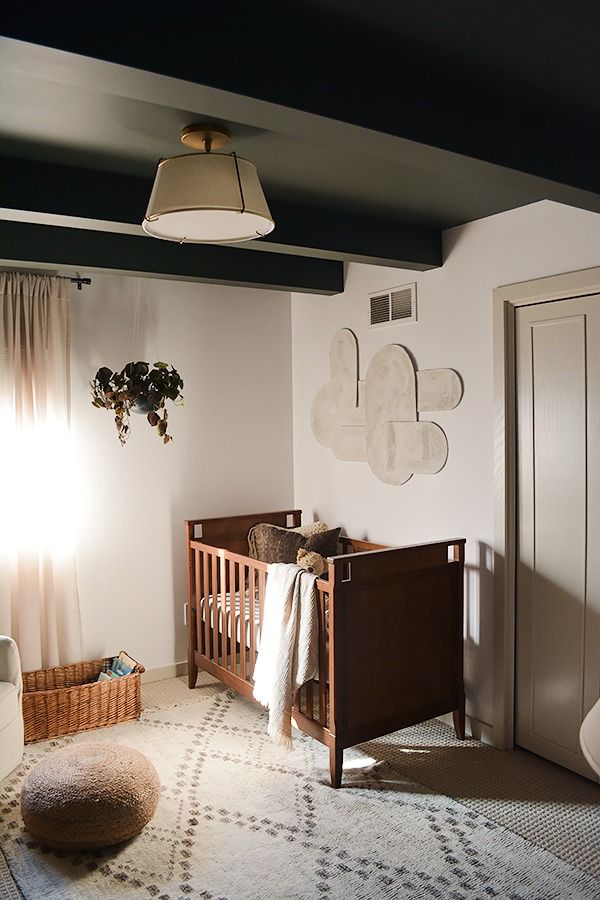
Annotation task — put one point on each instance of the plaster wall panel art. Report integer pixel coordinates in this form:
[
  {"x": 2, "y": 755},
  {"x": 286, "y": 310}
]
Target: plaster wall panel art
[
  {"x": 338, "y": 410},
  {"x": 377, "y": 420},
  {"x": 350, "y": 436},
  {"x": 343, "y": 368},
  {"x": 438, "y": 389}
]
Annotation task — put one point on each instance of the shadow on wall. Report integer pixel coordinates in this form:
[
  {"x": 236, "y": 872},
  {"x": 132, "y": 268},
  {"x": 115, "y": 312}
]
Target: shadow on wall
[
  {"x": 479, "y": 620},
  {"x": 112, "y": 312},
  {"x": 555, "y": 679}
]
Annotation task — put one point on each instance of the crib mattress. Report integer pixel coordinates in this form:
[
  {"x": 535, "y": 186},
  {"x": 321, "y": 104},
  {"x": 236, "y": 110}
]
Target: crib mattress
[{"x": 240, "y": 629}]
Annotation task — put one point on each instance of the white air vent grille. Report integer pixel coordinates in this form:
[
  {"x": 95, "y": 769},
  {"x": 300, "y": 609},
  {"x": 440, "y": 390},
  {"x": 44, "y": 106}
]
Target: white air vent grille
[
  {"x": 391, "y": 307},
  {"x": 380, "y": 309}
]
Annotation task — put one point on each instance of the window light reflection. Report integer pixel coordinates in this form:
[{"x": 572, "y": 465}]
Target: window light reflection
[
  {"x": 362, "y": 762},
  {"x": 37, "y": 492}
]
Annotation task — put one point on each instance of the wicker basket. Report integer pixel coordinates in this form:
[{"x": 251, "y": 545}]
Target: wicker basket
[{"x": 67, "y": 699}]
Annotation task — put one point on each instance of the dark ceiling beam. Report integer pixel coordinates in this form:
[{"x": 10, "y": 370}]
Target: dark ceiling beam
[
  {"x": 71, "y": 191},
  {"x": 318, "y": 62},
  {"x": 300, "y": 230},
  {"x": 86, "y": 250},
  {"x": 352, "y": 238}
]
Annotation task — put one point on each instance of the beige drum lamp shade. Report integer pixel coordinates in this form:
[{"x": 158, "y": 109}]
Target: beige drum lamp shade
[{"x": 212, "y": 198}]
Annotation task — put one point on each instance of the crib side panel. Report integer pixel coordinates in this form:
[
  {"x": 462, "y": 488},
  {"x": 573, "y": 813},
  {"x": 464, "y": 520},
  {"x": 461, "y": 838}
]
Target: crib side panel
[{"x": 396, "y": 641}]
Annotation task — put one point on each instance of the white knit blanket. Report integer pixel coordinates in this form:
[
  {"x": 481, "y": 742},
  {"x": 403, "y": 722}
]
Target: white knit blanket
[{"x": 288, "y": 655}]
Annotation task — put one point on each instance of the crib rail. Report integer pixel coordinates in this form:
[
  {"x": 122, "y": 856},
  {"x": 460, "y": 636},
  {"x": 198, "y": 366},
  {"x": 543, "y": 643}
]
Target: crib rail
[{"x": 227, "y": 597}]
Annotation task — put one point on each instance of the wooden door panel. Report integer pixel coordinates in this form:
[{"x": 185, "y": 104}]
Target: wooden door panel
[{"x": 557, "y": 464}]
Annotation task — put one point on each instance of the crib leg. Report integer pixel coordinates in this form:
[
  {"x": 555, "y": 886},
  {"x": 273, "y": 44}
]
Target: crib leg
[
  {"x": 459, "y": 719},
  {"x": 336, "y": 763},
  {"x": 192, "y": 670}
]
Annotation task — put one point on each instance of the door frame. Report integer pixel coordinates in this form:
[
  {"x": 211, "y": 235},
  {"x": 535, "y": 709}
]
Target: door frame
[{"x": 506, "y": 300}]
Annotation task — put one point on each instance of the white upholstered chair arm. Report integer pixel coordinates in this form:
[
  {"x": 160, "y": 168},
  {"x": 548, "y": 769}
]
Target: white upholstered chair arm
[
  {"x": 10, "y": 663},
  {"x": 589, "y": 737}
]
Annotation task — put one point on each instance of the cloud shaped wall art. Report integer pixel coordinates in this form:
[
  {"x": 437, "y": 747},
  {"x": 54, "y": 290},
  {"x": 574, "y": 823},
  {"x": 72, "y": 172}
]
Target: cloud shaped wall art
[{"x": 376, "y": 420}]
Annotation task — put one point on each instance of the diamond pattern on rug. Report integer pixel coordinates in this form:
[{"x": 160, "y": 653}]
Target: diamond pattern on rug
[{"x": 241, "y": 818}]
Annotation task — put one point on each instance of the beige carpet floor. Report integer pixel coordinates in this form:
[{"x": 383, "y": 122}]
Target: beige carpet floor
[
  {"x": 420, "y": 815},
  {"x": 543, "y": 802}
]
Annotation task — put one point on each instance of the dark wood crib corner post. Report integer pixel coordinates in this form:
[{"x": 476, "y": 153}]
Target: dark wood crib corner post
[
  {"x": 191, "y": 606},
  {"x": 336, "y": 765},
  {"x": 336, "y": 750},
  {"x": 458, "y": 717}
]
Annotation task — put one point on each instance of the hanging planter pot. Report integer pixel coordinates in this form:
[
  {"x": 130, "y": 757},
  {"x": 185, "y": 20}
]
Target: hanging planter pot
[
  {"x": 146, "y": 403},
  {"x": 138, "y": 388}
]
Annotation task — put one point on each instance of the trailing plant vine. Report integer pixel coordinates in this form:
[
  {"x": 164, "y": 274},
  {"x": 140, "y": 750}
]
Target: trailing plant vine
[{"x": 140, "y": 388}]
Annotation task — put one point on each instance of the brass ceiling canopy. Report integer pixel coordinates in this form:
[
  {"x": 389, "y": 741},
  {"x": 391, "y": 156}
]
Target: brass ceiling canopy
[{"x": 205, "y": 137}]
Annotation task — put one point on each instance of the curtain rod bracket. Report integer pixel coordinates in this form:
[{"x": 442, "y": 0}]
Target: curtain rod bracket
[{"x": 80, "y": 281}]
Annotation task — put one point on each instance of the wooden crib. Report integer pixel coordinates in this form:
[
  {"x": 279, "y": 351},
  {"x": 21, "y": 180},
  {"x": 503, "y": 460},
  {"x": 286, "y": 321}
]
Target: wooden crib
[{"x": 390, "y": 630}]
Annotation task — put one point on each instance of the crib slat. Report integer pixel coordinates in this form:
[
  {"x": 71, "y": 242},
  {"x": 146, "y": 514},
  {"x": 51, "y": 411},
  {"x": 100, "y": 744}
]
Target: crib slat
[
  {"x": 205, "y": 603},
  {"x": 252, "y": 617},
  {"x": 322, "y": 662},
  {"x": 232, "y": 592},
  {"x": 309, "y": 694},
  {"x": 214, "y": 609},
  {"x": 243, "y": 621},
  {"x": 223, "y": 612},
  {"x": 262, "y": 586},
  {"x": 198, "y": 600},
  {"x": 262, "y": 582}
]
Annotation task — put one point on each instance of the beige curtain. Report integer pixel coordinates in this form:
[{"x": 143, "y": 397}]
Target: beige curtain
[{"x": 39, "y": 605}]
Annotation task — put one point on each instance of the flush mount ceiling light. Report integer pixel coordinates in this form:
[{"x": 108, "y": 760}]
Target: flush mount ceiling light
[{"x": 206, "y": 197}]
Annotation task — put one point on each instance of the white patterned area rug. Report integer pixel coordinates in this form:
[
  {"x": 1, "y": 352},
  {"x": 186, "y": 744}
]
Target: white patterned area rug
[{"x": 242, "y": 819}]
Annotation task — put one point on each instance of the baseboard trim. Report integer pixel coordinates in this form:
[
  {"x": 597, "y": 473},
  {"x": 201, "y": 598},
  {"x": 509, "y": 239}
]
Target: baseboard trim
[
  {"x": 474, "y": 728},
  {"x": 160, "y": 673}
]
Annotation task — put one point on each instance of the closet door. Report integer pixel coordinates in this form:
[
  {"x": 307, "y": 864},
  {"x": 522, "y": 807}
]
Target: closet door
[{"x": 558, "y": 574}]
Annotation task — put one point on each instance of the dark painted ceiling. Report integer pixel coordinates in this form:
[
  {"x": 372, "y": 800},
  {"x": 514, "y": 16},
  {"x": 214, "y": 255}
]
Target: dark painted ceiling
[{"x": 373, "y": 125}]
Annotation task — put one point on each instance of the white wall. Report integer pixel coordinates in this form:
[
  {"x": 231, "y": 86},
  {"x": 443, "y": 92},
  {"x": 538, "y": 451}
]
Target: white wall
[
  {"x": 231, "y": 453},
  {"x": 454, "y": 329}
]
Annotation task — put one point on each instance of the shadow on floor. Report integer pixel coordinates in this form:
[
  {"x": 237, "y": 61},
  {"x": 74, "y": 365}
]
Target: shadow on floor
[{"x": 471, "y": 770}]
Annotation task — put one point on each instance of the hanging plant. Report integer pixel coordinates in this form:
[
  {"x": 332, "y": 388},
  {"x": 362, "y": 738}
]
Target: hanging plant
[{"x": 138, "y": 388}]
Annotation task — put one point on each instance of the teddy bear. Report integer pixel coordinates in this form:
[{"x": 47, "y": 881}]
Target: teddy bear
[{"x": 312, "y": 562}]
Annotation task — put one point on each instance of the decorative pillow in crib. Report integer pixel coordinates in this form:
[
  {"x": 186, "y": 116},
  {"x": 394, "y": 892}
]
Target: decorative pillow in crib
[
  {"x": 257, "y": 538},
  {"x": 325, "y": 543},
  {"x": 275, "y": 545},
  {"x": 259, "y": 534},
  {"x": 307, "y": 531},
  {"x": 312, "y": 562}
]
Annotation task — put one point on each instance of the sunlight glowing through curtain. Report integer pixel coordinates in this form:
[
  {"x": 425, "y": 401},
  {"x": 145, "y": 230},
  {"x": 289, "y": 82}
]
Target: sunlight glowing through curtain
[{"x": 39, "y": 604}]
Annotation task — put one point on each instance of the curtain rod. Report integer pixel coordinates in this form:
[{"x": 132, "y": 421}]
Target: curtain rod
[{"x": 80, "y": 281}]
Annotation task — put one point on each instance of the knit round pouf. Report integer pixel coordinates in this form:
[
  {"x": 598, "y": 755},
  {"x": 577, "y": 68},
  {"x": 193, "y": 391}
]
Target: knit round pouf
[{"x": 89, "y": 795}]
